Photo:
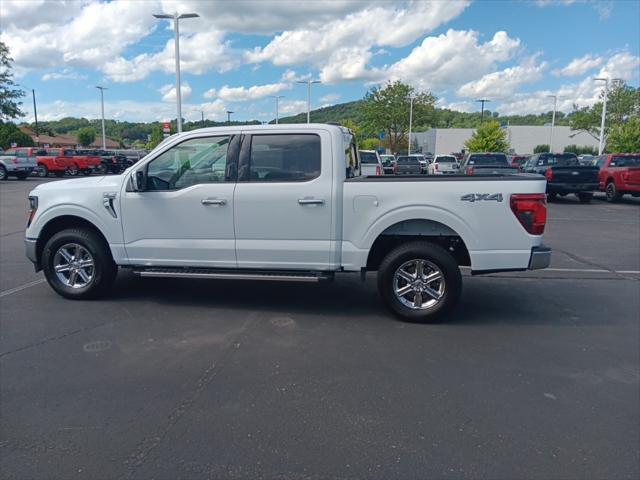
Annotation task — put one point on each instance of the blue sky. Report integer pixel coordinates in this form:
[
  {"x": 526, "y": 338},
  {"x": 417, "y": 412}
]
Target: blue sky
[{"x": 240, "y": 53}]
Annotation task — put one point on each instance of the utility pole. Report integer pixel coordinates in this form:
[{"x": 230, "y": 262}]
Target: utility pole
[
  {"x": 176, "y": 28},
  {"x": 410, "y": 122},
  {"x": 309, "y": 82},
  {"x": 278, "y": 97},
  {"x": 104, "y": 136},
  {"x": 202, "y": 112},
  {"x": 553, "y": 121},
  {"x": 229, "y": 117},
  {"x": 35, "y": 114},
  {"x": 482, "y": 101},
  {"x": 604, "y": 109}
]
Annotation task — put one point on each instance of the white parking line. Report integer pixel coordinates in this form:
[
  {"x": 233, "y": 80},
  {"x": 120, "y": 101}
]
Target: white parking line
[
  {"x": 593, "y": 270},
  {"x": 21, "y": 287}
]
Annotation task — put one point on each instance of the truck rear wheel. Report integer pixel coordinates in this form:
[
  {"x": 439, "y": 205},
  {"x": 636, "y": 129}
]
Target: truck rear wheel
[
  {"x": 419, "y": 281},
  {"x": 77, "y": 264},
  {"x": 3, "y": 173},
  {"x": 612, "y": 193},
  {"x": 43, "y": 171}
]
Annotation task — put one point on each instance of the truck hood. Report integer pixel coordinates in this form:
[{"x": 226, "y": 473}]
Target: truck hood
[{"x": 112, "y": 181}]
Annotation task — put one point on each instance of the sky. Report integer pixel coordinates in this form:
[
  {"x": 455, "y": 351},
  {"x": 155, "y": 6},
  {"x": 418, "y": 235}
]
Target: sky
[{"x": 238, "y": 54}]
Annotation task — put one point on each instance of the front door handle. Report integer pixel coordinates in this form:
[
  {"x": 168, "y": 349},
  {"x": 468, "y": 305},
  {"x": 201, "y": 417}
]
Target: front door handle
[
  {"x": 310, "y": 201},
  {"x": 213, "y": 201}
]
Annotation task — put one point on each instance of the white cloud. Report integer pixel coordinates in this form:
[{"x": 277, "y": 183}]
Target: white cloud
[
  {"x": 169, "y": 92},
  {"x": 255, "y": 92},
  {"x": 450, "y": 60},
  {"x": 64, "y": 74},
  {"x": 330, "y": 98},
  {"x": 211, "y": 93},
  {"x": 460, "y": 106},
  {"x": 292, "y": 107},
  {"x": 579, "y": 66},
  {"x": 504, "y": 83}
]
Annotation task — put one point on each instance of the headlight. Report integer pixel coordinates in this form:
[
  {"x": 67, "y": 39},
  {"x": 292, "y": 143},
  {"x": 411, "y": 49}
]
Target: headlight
[{"x": 33, "y": 205}]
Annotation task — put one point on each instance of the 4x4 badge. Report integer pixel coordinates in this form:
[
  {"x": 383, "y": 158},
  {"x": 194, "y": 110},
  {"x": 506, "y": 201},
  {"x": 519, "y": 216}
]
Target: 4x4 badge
[{"x": 476, "y": 197}]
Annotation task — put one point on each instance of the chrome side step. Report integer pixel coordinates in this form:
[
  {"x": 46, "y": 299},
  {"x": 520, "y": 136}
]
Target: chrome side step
[{"x": 232, "y": 275}]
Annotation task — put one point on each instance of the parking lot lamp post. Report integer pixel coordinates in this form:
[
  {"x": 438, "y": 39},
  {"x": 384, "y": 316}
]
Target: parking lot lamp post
[
  {"x": 604, "y": 113},
  {"x": 309, "y": 82},
  {"x": 553, "y": 121},
  {"x": 35, "y": 110},
  {"x": 278, "y": 97},
  {"x": 229, "y": 112},
  {"x": 410, "y": 123},
  {"x": 176, "y": 29},
  {"x": 482, "y": 101},
  {"x": 104, "y": 136}
]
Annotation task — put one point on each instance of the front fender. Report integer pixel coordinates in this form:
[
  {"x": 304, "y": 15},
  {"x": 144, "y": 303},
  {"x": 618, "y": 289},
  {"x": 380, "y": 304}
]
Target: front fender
[{"x": 112, "y": 232}]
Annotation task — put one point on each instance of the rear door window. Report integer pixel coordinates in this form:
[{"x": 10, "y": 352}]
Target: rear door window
[{"x": 284, "y": 158}]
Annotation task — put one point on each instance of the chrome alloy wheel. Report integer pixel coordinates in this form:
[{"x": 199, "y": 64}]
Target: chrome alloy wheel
[
  {"x": 419, "y": 284},
  {"x": 74, "y": 265}
]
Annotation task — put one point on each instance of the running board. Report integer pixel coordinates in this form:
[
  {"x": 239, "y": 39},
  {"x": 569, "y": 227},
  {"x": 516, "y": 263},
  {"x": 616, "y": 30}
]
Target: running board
[{"x": 284, "y": 276}]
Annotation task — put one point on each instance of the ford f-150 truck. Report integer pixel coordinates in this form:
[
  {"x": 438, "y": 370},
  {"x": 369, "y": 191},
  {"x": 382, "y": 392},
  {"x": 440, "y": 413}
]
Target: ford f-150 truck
[
  {"x": 18, "y": 161},
  {"x": 284, "y": 202},
  {"x": 486, "y": 163},
  {"x": 619, "y": 174}
]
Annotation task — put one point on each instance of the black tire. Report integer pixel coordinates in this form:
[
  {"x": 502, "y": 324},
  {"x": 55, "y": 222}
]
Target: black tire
[
  {"x": 433, "y": 254},
  {"x": 585, "y": 197},
  {"x": 104, "y": 270},
  {"x": 3, "y": 173},
  {"x": 22, "y": 175},
  {"x": 612, "y": 193},
  {"x": 86, "y": 172},
  {"x": 551, "y": 197},
  {"x": 73, "y": 171},
  {"x": 102, "y": 169},
  {"x": 59, "y": 173},
  {"x": 43, "y": 171}
]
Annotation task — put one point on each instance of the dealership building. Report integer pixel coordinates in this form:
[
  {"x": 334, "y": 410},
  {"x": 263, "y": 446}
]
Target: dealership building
[{"x": 522, "y": 139}]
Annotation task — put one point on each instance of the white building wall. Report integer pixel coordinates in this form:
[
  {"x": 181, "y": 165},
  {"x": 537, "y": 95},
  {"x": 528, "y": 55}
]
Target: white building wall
[{"x": 522, "y": 139}]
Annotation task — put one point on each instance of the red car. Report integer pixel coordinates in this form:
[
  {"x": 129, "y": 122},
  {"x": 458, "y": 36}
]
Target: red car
[
  {"x": 619, "y": 174},
  {"x": 85, "y": 163},
  {"x": 56, "y": 161}
]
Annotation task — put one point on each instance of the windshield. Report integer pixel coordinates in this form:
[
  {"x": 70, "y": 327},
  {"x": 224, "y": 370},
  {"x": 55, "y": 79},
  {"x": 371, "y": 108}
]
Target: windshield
[
  {"x": 445, "y": 159},
  {"x": 408, "y": 161},
  {"x": 488, "y": 159},
  {"x": 368, "y": 157},
  {"x": 560, "y": 159},
  {"x": 626, "y": 161}
]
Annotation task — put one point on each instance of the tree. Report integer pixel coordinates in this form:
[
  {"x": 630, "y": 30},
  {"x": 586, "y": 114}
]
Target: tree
[
  {"x": 369, "y": 144},
  {"x": 544, "y": 148},
  {"x": 9, "y": 134},
  {"x": 86, "y": 136},
  {"x": 156, "y": 137},
  {"x": 584, "y": 150},
  {"x": 9, "y": 96},
  {"x": 488, "y": 137},
  {"x": 623, "y": 103},
  {"x": 387, "y": 110},
  {"x": 625, "y": 138}
]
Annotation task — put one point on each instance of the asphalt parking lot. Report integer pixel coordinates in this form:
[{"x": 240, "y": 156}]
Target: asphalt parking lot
[{"x": 536, "y": 375}]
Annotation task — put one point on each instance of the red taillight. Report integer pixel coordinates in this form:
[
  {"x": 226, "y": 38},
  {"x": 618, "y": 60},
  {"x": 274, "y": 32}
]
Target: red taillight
[
  {"x": 549, "y": 174},
  {"x": 531, "y": 211},
  {"x": 469, "y": 170},
  {"x": 378, "y": 170}
]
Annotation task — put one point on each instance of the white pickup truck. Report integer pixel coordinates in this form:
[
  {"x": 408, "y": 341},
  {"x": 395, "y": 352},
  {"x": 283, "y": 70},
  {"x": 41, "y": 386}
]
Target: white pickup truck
[{"x": 284, "y": 202}]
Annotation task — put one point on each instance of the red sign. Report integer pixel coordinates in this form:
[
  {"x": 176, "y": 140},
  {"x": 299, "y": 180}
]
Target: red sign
[{"x": 166, "y": 127}]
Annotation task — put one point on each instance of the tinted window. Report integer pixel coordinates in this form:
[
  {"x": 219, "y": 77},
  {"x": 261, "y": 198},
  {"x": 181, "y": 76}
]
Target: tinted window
[
  {"x": 368, "y": 157},
  {"x": 408, "y": 161},
  {"x": 196, "y": 161},
  {"x": 560, "y": 159},
  {"x": 445, "y": 159},
  {"x": 284, "y": 158},
  {"x": 626, "y": 161},
  {"x": 54, "y": 152},
  {"x": 488, "y": 159}
]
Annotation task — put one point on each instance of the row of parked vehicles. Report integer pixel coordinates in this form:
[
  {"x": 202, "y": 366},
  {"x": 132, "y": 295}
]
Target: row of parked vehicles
[
  {"x": 615, "y": 174},
  {"x": 21, "y": 162}
]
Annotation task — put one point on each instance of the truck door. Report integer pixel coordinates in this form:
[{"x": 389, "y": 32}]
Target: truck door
[
  {"x": 283, "y": 201},
  {"x": 184, "y": 216}
]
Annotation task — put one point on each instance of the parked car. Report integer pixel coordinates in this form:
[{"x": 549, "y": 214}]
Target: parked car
[
  {"x": 424, "y": 162},
  {"x": 55, "y": 160},
  {"x": 282, "y": 208},
  {"x": 619, "y": 175},
  {"x": 370, "y": 163},
  {"x": 586, "y": 159},
  {"x": 565, "y": 175},
  {"x": 110, "y": 161},
  {"x": 488, "y": 163},
  {"x": 407, "y": 165},
  {"x": 388, "y": 162},
  {"x": 443, "y": 165},
  {"x": 518, "y": 161},
  {"x": 85, "y": 162},
  {"x": 18, "y": 162}
]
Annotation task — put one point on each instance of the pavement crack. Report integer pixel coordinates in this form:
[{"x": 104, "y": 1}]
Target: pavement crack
[{"x": 584, "y": 261}]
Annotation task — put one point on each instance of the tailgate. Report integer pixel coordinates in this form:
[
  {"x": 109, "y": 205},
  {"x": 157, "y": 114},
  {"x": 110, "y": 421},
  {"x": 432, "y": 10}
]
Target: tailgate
[
  {"x": 494, "y": 170},
  {"x": 575, "y": 174}
]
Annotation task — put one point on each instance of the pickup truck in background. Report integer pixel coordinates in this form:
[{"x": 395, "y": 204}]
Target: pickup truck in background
[
  {"x": 388, "y": 163},
  {"x": 54, "y": 160},
  {"x": 443, "y": 165},
  {"x": 619, "y": 175},
  {"x": 564, "y": 175},
  {"x": 407, "y": 165},
  {"x": 489, "y": 163},
  {"x": 84, "y": 162},
  {"x": 18, "y": 162},
  {"x": 371, "y": 163},
  {"x": 284, "y": 203}
]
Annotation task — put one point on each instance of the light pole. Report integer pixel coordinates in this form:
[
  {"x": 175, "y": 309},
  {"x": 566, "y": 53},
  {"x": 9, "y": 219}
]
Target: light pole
[
  {"x": 553, "y": 121},
  {"x": 176, "y": 28},
  {"x": 202, "y": 112},
  {"x": 410, "y": 122},
  {"x": 482, "y": 101},
  {"x": 35, "y": 111},
  {"x": 604, "y": 110},
  {"x": 278, "y": 97},
  {"x": 309, "y": 82},
  {"x": 229, "y": 112},
  {"x": 104, "y": 136}
]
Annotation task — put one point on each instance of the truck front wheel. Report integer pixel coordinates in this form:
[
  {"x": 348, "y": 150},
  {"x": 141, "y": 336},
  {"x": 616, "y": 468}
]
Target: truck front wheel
[
  {"x": 77, "y": 264},
  {"x": 419, "y": 281}
]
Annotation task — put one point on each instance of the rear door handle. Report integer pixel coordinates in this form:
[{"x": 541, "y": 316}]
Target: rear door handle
[
  {"x": 311, "y": 201},
  {"x": 213, "y": 201}
]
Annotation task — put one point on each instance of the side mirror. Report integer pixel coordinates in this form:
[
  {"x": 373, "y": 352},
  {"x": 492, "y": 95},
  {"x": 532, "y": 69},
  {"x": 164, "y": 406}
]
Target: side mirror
[{"x": 138, "y": 181}]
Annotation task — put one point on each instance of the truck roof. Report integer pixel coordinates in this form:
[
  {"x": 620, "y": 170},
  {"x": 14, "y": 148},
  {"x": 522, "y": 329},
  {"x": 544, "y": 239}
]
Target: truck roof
[{"x": 270, "y": 128}]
